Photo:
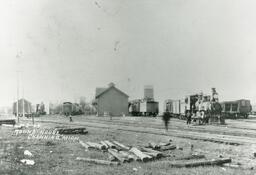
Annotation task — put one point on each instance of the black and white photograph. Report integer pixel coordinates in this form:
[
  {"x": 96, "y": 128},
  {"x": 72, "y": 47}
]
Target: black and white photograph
[{"x": 127, "y": 87}]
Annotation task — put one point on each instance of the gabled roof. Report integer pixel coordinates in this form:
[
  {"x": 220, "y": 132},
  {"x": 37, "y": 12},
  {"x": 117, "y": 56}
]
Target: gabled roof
[
  {"x": 99, "y": 91},
  {"x": 107, "y": 89}
]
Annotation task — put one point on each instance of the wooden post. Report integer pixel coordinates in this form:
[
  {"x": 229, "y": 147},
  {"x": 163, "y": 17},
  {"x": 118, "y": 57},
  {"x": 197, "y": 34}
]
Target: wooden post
[
  {"x": 191, "y": 157},
  {"x": 96, "y": 161},
  {"x": 201, "y": 163}
]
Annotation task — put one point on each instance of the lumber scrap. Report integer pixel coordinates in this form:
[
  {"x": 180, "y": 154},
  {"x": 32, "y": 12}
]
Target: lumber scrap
[
  {"x": 194, "y": 156},
  {"x": 117, "y": 155},
  {"x": 169, "y": 147},
  {"x": 121, "y": 145},
  {"x": 97, "y": 161},
  {"x": 111, "y": 145},
  {"x": 201, "y": 163},
  {"x": 143, "y": 157}
]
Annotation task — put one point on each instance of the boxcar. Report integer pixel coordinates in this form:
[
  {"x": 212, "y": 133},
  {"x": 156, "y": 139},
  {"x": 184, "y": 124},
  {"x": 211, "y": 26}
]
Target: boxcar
[
  {"x": 236, "y": 109},
  {"x": 149, "y": 108},
  {"x": 67, "y": 108},
  {"x": 143, "y": 108}
]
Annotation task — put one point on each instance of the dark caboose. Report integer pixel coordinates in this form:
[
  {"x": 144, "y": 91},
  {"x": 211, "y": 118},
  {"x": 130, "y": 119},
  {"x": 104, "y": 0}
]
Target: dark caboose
[{"x": 236, "y": 109}]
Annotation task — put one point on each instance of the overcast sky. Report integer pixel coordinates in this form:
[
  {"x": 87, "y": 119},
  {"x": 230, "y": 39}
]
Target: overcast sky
[{"x": 66, "y": 48}]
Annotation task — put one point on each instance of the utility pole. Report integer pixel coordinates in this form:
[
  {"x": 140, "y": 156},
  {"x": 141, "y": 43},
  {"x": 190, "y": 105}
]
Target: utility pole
[
  {"x": 17, "y": 103},
  {"x": 23, "y": 112}
]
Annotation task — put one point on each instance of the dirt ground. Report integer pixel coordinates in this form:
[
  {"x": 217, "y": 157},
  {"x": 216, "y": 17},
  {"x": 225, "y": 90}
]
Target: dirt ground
[{"x": 58, "y": 157}]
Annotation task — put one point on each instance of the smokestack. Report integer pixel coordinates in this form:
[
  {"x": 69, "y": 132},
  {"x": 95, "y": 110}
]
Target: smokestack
[{"x": 111, "y": 84}]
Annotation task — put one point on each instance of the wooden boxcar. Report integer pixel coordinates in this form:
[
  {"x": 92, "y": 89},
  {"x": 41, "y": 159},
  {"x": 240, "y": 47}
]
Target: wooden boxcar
[{"x": 236, "y": 109}]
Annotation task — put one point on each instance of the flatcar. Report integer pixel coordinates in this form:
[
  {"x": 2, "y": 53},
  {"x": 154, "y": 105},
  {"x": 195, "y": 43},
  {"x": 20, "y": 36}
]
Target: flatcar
[{"x": 236, "y": 109}]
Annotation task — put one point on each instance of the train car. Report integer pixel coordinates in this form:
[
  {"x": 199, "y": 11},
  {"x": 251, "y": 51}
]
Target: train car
[
  {"x": 173, "y": 107},
  {"x": 149, "y": 108},
  {"x": 143, "y": 108},
  {"x": 25, "y": 105},
  {"x": 236, "y": 109},
  {"x": 67, "y": 108},
  {"x": 134, "y": 108}
]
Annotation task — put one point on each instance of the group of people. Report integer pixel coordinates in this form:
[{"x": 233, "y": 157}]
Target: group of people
[{"x": 199, "y": 115}]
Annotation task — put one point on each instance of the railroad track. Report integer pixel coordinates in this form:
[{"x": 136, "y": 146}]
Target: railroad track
[
  {"x": 228, "y": 139},
  {"x": 203, "y": 129}
]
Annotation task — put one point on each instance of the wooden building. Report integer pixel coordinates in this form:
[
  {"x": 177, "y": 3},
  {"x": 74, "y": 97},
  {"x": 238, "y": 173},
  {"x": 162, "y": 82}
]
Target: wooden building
[{"x": 111, "y": 101}]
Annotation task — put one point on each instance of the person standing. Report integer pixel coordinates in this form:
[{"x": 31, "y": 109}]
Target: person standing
[
  {"x": 188, "y": 115},
  {"x": 166, "y": 119}
]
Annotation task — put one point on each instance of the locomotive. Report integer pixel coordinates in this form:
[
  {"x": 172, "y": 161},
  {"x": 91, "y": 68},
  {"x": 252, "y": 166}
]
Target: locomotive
[{"x": 200, "y": 106}]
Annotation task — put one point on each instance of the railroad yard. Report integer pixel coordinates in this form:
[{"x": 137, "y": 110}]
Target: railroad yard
[{"x": 235, "y": 140}]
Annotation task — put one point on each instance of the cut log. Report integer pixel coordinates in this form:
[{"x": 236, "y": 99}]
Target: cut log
[
  {"x": 143, "y": 157},
  {"x": 117, "y": 155},
  {"x": 111, "y": 145},
  {"x": 86, "y": 146},
  {"x": 169, "y": 147},
  {"x": 121, "y": 145},
  {"x": 134, "y": 157},
  {"x": 201, "y": 163},
  {"x": 96, "y": 145},
  {"x": 111, "y": 157},
  {"x": 164, "y": 144},
  {"x": 97, "y": 161},
  {"x": 127, "y": 155},
  {"x": 103, "y": 143},
  {"x": 153, "y": 145},
  {"x": 152, "y": 152},
  {"x": 195, "y": 156}
]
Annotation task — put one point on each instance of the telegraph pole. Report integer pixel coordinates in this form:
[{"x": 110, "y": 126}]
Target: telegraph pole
[
  {"x": 23, "y": 112},
  {"x": 17, "y": 103}
]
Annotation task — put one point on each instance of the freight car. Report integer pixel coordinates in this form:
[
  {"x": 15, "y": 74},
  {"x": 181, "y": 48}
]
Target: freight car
[
  {"x": 25, "y": 105},
  {"x": 144, "y": 108},
  {"x": 236, "y": 109},
  {"x": 69, "y": 108}
]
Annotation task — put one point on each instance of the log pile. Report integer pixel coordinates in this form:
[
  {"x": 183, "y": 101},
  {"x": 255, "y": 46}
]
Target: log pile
[
  {"x": 72, "y": 131},
  {"x": 120, "y": 153}
]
